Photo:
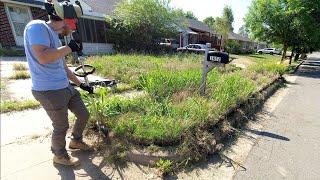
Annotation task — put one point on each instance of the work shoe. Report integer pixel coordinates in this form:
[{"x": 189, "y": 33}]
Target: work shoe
[
  {"x": 75, "y": 144},
  {"x": 66, "y": 160}
]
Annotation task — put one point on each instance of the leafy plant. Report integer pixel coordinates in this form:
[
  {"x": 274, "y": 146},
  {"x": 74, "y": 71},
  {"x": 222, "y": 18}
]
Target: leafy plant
[{"x": 165, "y": 165}]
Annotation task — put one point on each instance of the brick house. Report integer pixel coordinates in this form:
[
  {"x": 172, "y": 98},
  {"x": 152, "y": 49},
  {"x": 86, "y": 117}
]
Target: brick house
[
  {"x": 197, "y": 32},
  {"x": 15, "y": 14}
]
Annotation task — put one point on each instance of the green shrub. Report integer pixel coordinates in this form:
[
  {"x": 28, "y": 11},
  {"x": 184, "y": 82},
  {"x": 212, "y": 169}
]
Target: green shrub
[
  {"x": 11, "y": 52},
  {"x": 141, "y": 32}
]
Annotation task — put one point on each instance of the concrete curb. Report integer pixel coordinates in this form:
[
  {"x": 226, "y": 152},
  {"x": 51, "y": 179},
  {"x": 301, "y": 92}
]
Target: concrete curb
[{"x": 150, "y": 159}]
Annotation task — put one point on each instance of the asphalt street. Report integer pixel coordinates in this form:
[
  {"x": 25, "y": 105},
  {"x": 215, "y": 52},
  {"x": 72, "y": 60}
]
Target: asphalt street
[{"x": 289, "y": 145}]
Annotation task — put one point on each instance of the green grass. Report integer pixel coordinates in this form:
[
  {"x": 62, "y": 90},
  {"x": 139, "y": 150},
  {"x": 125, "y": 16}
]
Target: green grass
[
  {"x": 172, "y": 104},
  {"x": 11, "y": 52},
  {"x": 20, "y": 75},
  {"x": 19, "y": 67},
  {"x": 9, "y": 106},
  {"x": 2, "y": 85}
]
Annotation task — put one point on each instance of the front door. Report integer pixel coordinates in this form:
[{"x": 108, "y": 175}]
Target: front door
[{"x": 19, "y": 16}]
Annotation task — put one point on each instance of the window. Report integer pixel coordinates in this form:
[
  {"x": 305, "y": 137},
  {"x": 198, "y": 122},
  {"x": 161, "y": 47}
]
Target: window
[
  {"x": 100, "y": 31},
  {"x": 92, "y": 31},
  {"x": 19, "y": 16}
]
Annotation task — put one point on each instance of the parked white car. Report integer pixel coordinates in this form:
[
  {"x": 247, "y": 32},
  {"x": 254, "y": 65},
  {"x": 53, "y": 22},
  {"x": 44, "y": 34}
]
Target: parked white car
[
  {"x": 269, "y": 51},
  {"x": 195, "y": 48},
  {"x": 172, "y": 43}
]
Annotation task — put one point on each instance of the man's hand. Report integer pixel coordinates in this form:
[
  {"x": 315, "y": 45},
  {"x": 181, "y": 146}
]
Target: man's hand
[
  {"x": 74, "y": 46},
  {"x": 85, "y": 87}
]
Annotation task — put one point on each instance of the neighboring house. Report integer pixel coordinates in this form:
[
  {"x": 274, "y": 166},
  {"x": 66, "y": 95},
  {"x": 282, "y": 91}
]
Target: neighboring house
[
  {"x": 15, "y": 14},
  {"x": 246, "y": 44},
  {"x": 260, "y": 45},
  {"x": 197, "y": 32}
]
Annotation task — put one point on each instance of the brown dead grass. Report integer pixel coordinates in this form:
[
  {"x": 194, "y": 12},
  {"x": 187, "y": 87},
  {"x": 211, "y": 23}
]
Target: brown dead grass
[{"x": 243, "y": 62}]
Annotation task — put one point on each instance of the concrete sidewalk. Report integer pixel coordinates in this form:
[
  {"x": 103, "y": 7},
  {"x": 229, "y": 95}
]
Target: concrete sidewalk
[
  {"x": 289, "y": 146},
  {"x": 32, "y": 160}
]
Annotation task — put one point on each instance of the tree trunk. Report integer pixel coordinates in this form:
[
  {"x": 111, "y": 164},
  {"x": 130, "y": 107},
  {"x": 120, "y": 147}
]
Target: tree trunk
[
  {"x": 285, "y": 47},
  {"x": 303, "y": 56},
  {"x": 291, "y": 56},
  {"x": 296, "y": 57}
]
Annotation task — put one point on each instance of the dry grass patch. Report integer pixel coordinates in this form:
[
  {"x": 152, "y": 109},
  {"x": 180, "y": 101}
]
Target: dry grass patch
[
  {"x": 20, "y": 75},
  {"x": 19, "y": 67},
  {"x": 8, "y": 106}
]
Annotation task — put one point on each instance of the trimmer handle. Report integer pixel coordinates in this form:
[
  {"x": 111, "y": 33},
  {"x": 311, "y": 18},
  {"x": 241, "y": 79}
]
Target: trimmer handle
[{"x": 84, "y": 73}]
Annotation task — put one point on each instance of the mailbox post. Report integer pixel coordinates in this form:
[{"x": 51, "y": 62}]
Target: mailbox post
[{"x": 212, "y": 59}]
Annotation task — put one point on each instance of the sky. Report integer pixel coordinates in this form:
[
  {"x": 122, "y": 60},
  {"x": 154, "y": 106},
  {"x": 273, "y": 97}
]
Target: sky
[{"x": 204, "y": 8}]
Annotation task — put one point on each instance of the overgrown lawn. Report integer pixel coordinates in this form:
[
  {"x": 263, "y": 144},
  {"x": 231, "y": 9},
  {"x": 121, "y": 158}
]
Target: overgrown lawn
[{"x": 172, "y": 104}]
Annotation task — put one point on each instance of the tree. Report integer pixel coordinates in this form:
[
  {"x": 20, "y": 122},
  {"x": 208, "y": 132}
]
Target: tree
[
  {"x": 228, "y": 14},
  {"x": 244, "y": 31},
  {"x": 292, "y": 23},
  {"x": 269, "y": 20},
  {"x": 223, "y": 25},
  {"x": 180, "y": 13},
  {"x": 209, "y": 21},
  {"x": 307, "y": 23},
  {"x": 190, "y": 15},
  {"x": 223, "y": 28},
  {"x": 139, "y": 25}
]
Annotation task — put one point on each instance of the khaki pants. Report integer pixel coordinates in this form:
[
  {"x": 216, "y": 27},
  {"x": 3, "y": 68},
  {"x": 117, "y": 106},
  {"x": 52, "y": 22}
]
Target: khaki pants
[{"x": 56, "y": 103}]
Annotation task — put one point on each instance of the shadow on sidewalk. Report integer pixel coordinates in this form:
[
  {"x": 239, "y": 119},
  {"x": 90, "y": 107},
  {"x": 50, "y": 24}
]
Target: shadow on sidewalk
[
  {"x": 91, "y": 170},
  {"x": 310, "y": 68},
  {"x": 268, "y": 134}
]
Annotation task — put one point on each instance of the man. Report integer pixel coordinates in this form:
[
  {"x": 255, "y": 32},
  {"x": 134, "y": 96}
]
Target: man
[{"x": 50, "y": 84}]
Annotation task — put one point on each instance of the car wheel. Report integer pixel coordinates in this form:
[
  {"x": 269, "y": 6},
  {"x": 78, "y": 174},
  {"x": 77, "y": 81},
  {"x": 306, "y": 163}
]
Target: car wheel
[
  {"x": 271, "y": 53},
  {"x": 260, "y": 52}
]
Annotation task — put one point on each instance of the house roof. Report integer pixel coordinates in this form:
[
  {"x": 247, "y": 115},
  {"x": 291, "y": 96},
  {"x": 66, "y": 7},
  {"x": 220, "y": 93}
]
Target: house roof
[
  {"x": 195, "y": 24},
  {"x": 39, "y": 3},
  {"x": 189, "y": 24},
  {"x": 105, "y": 7},
  {"x": 98, "y": 8},
  {"x": 235, "y": 36}
]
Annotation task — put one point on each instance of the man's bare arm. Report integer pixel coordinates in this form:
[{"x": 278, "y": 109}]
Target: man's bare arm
[
  {"x": 71, "y": 76},
  {"x": 46, "y": 54}
]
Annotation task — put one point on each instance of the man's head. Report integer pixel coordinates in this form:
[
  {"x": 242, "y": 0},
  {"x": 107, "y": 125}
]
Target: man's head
[
  {"x": 60, "y": 26},
  {"x": 63, "y": 15}
]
